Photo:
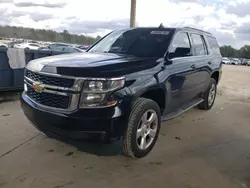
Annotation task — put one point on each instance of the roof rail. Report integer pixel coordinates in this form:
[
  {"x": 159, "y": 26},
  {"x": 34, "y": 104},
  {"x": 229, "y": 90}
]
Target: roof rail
[{"x": 198, "y": 30}]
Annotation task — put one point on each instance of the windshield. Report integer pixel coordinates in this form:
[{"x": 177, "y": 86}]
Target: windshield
[{"x": 138, "y": 42}]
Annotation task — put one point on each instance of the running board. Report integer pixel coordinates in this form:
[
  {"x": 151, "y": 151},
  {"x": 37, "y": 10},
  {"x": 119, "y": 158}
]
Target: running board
[{"x": 183, "y": 109}]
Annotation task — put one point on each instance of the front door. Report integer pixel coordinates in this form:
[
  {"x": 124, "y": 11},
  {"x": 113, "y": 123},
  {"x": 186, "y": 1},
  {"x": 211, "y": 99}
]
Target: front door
[{"x": 181, "y": 68}]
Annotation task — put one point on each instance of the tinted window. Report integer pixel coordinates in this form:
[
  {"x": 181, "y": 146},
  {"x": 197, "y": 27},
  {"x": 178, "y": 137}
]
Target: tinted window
[
  {"x": 138, "y": 42},
  {"x": 58, "y": 49},
  {"x": 214, "y": 47},
  {"x": 68, "y": 49},
  {"x": 181, "y": 40},
  {"x": 199, "y": 46},
  {"x": 181, "y": 45},
  {"x": 52, "y": 46}
]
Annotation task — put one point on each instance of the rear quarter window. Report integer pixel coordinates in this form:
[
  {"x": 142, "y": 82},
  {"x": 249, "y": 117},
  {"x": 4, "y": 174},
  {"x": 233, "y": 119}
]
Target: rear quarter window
[{"x": 213, "y": 44}]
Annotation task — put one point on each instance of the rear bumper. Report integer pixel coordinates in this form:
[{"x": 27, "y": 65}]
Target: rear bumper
[{"x": 76, "y": 125}]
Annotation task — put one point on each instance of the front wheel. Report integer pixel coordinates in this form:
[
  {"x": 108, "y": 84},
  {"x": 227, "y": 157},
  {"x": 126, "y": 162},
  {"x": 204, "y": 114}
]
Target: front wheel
[
  {"x": 209, "y": 95},
  {"x": 143, "y": 128}
]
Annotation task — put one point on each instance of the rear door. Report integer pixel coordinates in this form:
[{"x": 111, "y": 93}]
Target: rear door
[
  {"x": 215, "y": 55},
  {"x": 202, "y": 63}
]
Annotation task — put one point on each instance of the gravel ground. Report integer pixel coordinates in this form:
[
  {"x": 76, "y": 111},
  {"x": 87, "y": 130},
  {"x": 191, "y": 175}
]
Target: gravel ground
[{"x": 200, "y": 149}]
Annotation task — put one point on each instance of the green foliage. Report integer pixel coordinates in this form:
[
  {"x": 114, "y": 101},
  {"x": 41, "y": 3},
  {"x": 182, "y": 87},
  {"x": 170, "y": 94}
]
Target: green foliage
[
  {"x": 45, "y": 35},
  {"x": 229, "y": 51},
  {"x": 245, "y": 51}
]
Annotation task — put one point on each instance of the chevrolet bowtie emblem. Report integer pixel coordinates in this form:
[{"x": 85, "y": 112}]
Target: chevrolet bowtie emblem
[{"x": 38, "y": 87}]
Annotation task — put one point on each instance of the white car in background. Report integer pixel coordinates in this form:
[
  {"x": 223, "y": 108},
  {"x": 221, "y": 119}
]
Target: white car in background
[
  {"x": 28, "y": 46},
  {"x": 3, "y": 45},
  {"x": 235, "y": 61},
  {"x": 226, "y": 60},
  {"x": 248, "y": 63}
]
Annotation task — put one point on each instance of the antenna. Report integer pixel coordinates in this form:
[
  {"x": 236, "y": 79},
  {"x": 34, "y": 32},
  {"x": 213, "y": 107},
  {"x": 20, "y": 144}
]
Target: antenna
[{"x": 161, "y": 26}]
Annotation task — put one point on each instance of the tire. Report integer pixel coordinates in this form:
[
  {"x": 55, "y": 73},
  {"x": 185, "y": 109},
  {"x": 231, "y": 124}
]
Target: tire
[
  {"x": 48, "y": 134},
  {"x": 140, "y": 109},
  {"x": 207, "y": 104}
]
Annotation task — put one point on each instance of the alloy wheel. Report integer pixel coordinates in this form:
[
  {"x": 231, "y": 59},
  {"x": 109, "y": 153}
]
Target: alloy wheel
[
  {"x": 147, "y": 128},
  {"x": 211, "y": 95}
]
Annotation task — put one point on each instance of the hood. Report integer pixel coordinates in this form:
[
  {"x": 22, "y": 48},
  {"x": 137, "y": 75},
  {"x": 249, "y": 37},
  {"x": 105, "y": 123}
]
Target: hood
[{"x": 92, "y": 64}]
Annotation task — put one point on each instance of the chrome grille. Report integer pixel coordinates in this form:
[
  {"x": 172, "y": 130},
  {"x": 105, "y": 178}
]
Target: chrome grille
[
  {"x": 48, "y": 99},
  {"x": 53, "y": 92},
  {"x": 50, "y": 80}
]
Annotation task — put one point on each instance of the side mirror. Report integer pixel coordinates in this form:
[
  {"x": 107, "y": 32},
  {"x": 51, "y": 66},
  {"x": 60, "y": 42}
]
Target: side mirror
[{"x": 179, "y": 52}]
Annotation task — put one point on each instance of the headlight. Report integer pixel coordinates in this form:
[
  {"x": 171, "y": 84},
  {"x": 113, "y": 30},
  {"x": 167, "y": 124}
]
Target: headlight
[{"x": 96, "y": 92}]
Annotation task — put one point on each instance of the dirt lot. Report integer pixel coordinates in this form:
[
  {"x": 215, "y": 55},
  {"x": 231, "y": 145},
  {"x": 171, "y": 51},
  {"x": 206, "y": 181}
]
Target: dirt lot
[{"x": 199, "y": 149}]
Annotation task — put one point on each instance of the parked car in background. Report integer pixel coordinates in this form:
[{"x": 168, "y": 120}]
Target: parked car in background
[
  {"x": 84, "y": 47},
  {"x": 11, "y": 44},
  {"x": 244, "y": 62},
  {"x": 235, "y": 61},
  {"x": 68, "y": 49},
  {"x": 124, "y": 85},
  {"x": 248, "y": 63},
  {"x": 225, "y": 60},
  {"x": 28, "y": 46},
  {"x": 3, "y": 45},
  {"x": 52, "y": 47},
  {"x": 45, "y": 48}
]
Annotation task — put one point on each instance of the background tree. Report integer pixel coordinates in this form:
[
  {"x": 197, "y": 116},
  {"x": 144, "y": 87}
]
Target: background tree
[
  {"x": 245, "y": 52},
  {"x": 45, "y": 35},
  {"x": 229, "y": 51}
]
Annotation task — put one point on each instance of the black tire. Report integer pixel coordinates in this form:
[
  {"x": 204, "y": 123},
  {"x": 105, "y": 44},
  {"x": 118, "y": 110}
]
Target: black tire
[
  {"x": 48, "y": 134},
  {"x": 205, "y": 105},
  {"x": 138, "y": 108}
]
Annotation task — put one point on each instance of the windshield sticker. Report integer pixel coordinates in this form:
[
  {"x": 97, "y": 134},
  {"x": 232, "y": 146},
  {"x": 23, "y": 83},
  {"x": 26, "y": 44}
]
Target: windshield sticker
[{"x": 159, "y": 32}]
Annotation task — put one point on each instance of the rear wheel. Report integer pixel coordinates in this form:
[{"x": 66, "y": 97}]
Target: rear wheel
[
  {"x": 143, "y": 128},
  {"x": 209, "y": 95}
]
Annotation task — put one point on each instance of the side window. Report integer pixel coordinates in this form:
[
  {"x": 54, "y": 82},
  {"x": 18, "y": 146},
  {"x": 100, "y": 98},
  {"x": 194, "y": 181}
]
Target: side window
[
  {"x": 180, "y": 46},
  {"x": 58, "y": 49},
  {"x": 214, "y": 47},
  {"x": 198, "y": 45},
  {"x": 68, "y": 49}
]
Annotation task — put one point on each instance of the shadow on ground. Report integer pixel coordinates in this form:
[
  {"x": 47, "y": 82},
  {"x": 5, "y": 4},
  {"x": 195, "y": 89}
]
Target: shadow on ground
[{"x": 93, "y": 146}]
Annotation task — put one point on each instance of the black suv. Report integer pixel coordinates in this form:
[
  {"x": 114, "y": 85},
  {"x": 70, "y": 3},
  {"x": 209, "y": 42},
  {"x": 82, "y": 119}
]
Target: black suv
[{"x": 124, "y": 86}]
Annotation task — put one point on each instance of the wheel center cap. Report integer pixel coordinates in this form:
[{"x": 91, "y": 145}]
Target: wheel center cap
[{"x": 144, "y": 129}]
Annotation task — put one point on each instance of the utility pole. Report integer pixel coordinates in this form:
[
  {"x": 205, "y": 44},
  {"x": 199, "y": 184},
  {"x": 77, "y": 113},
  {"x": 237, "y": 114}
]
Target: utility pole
[{"x": 133, "y": 13}]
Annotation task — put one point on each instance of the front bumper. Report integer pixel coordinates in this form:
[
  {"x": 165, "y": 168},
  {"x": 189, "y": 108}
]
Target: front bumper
[{"x": 107, "y": 122}]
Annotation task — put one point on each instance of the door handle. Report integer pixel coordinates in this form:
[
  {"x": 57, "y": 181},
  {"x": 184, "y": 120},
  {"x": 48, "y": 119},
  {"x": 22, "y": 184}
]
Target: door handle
[{"x": 193, "y": 66}]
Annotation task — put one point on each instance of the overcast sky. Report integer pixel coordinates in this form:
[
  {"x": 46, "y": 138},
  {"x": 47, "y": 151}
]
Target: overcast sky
[{"x": 228, "y": 20}]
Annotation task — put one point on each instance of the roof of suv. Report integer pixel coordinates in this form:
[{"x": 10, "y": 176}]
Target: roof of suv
[
  {"x": 195, "y": 30},
  {"x": 178, "y": 29}
]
